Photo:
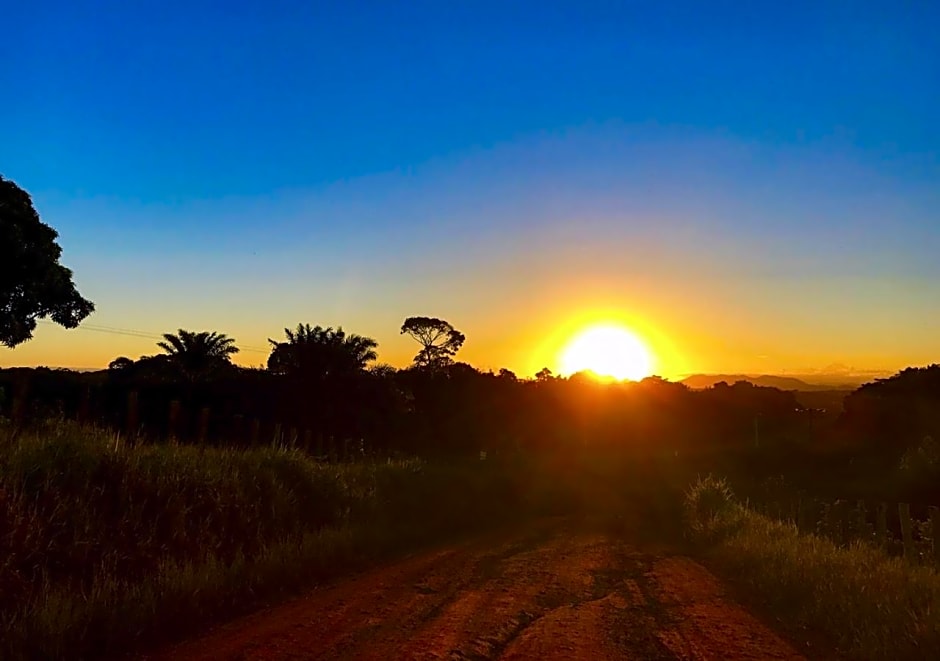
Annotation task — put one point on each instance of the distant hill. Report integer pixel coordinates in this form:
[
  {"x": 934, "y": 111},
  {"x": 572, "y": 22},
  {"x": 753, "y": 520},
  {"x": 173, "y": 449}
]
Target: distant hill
[{"x": 699, "y": 381}]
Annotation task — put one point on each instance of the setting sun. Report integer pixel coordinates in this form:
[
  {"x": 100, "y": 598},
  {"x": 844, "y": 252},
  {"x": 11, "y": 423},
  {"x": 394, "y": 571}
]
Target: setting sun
[{"x": 607, "y": 350}]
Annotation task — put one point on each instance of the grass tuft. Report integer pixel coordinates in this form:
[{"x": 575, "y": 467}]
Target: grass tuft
[{"x": 706, "y": 501}]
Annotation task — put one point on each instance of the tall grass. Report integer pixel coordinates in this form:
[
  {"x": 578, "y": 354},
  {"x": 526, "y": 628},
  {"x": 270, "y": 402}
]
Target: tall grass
[
  {"x": 105, "y": 545},
  {"x": 871, "y": 605}
]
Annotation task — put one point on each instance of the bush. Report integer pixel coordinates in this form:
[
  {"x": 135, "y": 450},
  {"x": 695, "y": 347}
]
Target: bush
[{"x": 707, "y": 501}]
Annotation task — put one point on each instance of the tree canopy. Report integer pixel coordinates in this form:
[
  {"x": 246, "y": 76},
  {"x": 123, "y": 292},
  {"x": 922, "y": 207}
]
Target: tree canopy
[
  {"x": 318, "y": 352},
  {"x": 198, "y": 353},
  {"x": 33, "y": 285},
  {"x": 438, "y": 339}
]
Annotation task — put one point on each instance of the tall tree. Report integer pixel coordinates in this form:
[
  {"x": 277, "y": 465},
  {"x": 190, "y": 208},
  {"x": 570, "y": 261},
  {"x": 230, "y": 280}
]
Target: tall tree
[
  {"x": 196, "y": 354},
  {"x": 320, "y": 352},
  {"x": 120, "y": 364},
  {"x": 33, "y": 285},
  {"x": 438, "y": 339}
]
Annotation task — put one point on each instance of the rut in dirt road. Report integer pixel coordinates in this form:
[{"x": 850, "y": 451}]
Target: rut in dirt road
[{"x": 541, "y": 594}]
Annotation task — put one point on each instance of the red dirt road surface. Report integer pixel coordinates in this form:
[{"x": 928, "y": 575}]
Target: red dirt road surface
[{"x": 547, "y": 592}]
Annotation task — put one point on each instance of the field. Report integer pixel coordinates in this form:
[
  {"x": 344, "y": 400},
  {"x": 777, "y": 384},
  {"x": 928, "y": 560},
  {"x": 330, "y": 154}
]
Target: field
[
  {"x": 106, "y": 545},
  {"x": 111, "y": 546}
]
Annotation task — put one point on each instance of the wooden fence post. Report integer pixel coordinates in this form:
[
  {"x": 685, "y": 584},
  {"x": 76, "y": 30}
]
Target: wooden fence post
[
  {"x": 203, "y": 434},
  {"x": 907, "y": 529},
  {"x": 238, "y": 431},
  {"x": 17, "y": 409},
  {"x": 841, "y": 522},
  {"x": 84, "y": 406},
  {"x": 173, "y": 422},
  {"x": 826, "y": 518},
  {"x": 934, "y": 531},
  {"x": 813, "y": 516},
  {"x": 132, "y": 423},
  {"x": 20, "y": 399},
  {"x": 861, "y": 520},
  {"x": 881, "y": 525}
]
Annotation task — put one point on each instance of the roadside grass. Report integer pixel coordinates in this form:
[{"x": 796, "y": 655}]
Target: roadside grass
[
  {"x": 106, "y": 546},
  {"x": 871, "y": 605}
]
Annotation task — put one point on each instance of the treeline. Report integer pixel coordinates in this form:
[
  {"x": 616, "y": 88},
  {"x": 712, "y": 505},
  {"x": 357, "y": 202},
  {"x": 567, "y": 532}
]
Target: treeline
[
  {"x": 454, "y": 410},
  {"x": 322, "y": 388}
]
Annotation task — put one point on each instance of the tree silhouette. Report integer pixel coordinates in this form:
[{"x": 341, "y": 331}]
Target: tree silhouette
[
  {"x": 320, "y": 352},
  {"x": 33, "y": 285},
  {"x": 197, "y": 354},
  {"x": 543, "y": 374},
  {"x": 507, "y": 374},
  {"x": 438, "y": 339},
  {"x": 383, "y": 370},
  {"x": 120, "y": 363}
]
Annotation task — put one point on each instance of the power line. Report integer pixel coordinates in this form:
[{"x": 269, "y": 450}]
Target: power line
[{"x": 130, "y": 332}]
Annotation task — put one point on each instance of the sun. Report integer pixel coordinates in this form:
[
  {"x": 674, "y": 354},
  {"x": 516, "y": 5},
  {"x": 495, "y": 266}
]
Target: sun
[{"x": 607, "y": 350}]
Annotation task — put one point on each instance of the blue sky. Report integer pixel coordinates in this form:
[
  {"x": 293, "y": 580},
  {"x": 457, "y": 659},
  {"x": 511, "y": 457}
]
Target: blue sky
[{"x": 757, "y": 184}]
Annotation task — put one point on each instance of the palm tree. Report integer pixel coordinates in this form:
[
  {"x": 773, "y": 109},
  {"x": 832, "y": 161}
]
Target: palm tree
[
  {"x": 198, "y": 353},
  {"x": 321, "y": 352}
]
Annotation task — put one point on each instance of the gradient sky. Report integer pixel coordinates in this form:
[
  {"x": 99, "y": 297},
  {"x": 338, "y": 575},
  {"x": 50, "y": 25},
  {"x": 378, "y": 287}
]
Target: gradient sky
[{"x": 750, "y": 186}]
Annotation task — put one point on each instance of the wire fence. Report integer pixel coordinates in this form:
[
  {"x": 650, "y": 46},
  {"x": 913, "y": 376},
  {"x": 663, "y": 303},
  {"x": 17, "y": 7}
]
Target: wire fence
[{"x": 901, "y": 529}]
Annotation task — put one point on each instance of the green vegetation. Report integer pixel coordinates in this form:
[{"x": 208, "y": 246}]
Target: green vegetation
[
  {"x": 872, "y": 605},
  {"x": 105, "y": 545}
]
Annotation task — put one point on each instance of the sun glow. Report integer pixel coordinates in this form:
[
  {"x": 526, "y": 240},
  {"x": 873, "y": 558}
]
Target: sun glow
[{"x": 607, "y": 350}]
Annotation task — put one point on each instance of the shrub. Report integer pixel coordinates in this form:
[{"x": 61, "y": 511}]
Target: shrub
[{"x": 707, "y": 502}]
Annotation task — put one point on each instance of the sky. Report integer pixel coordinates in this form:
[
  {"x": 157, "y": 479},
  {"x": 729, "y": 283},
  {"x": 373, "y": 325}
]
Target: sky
[{"x": 750, "y": 187}]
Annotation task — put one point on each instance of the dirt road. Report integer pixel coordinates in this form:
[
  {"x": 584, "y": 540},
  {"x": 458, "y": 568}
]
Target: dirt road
[{"x": 559, "y": 591}]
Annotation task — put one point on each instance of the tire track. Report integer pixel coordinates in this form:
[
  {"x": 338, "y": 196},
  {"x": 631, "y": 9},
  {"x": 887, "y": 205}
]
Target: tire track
[{"x": 553, "y": 590}]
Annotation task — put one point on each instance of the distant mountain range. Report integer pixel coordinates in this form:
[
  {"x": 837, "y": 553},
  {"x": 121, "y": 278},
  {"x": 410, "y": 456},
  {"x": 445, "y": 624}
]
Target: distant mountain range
[{"x": 816, "y": 382}]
